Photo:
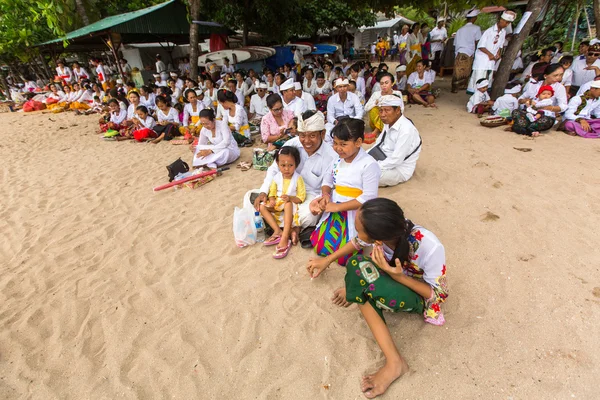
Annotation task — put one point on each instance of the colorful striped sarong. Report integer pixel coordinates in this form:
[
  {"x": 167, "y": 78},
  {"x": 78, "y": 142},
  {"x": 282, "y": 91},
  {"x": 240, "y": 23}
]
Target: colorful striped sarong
[
  {"x": 462, "y": 70},
  {"x": 331, "y": 236}
]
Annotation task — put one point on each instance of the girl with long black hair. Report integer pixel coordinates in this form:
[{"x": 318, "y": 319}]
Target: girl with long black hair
[{"x": 406, "y": 272}]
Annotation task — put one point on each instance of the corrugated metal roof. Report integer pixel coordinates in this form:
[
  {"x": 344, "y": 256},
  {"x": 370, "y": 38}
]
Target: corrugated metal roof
[
  {"x": 119, "y": 23},
  {"x": 387, "y": 24}
]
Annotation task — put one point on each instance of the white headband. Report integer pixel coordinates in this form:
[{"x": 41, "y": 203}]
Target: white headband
[
  {"x": 316, "y": 123},
  {"x": 508, "y": 16},
  {"x": 297, "y": 86},
  {"x": 289, "y": 84},
  {"x": 483, "y": 84},
  {"x": 341, "y": 81},
  {"x": 391, "y": 100},
  {"x": 515, "y": 90}
]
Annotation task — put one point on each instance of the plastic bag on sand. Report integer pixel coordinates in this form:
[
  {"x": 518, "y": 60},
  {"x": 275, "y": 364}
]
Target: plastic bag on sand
[{"x": 244, "y": 230}]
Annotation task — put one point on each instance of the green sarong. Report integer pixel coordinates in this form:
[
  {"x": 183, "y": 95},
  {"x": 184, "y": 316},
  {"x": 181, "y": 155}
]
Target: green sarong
[{"x": 365, "y": 282}]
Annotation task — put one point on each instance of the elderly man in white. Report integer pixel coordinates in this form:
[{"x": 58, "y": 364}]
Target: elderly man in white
[
  {"x": 316, "y": 158},
  {"x": 306, "y": 97},
  {"x": 290, "y": 101},
  {"x": 489, "y": 50},
  {"x": 343, "y": 104},
  {"x": 397, "y": 149},
  {"x": 258, "y": 104}
]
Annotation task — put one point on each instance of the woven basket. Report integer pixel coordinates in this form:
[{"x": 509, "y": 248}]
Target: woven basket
[
  {"x": 492, "y": 121},
  {"x": 6, "y": 106}
]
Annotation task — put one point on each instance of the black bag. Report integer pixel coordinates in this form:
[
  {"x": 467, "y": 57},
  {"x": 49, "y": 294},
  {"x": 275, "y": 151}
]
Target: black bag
[
  {"x": 177, "y": 167},
  {"x": 379, "y": 155}
]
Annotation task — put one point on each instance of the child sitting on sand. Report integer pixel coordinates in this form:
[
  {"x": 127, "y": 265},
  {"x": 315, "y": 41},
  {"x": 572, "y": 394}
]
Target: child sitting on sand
[
  {"x": 507, "y": 103},
  {"x": 286, "y": 192},
  {"x": 114, "y": 118},
  {"x": 480, "y": 101},
  {"x": 543, "y": 99},
  {"x": 143, "y": 125}
]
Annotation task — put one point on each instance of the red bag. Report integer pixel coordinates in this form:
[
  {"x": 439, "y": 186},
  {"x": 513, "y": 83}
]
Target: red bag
[{"x": 143, "y": 133}]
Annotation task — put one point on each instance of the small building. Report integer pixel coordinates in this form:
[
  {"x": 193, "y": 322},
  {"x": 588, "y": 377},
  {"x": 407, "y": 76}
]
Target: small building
[{"x": 365, "y": 35}]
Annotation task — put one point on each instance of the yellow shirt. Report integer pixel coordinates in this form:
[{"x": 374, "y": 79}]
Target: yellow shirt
[{"x": 300, "y": 189}]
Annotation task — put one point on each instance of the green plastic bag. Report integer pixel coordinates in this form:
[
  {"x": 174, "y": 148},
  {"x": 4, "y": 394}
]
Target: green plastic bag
[{"x": 262, "y": 159}]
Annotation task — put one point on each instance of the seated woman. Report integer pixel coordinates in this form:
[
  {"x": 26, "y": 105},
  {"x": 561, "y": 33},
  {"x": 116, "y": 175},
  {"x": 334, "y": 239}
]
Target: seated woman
[
  {"x": 274, "y": 124},
  {"x": 55, "y": 97},
  {"x": 235, "y": 117},
  {"x": 168, "y": 120},
  {"x": 418, "y": 86},
  {"x": 216, "y": 146},
  {"x": 191, "y": 124},
  {"x": 354, "y": 179},
  {"x": 406, "y": 272},
  {"x": 322, "y": 91},
  {"x": 147, "y": 99},
  {"x": 129, "y": 125},
  {"x": 386, "y": 82},
  {"x": 583, "y": 114},
  {"x": 114, "y": 119},
  {"x": 552, "y": 77}
]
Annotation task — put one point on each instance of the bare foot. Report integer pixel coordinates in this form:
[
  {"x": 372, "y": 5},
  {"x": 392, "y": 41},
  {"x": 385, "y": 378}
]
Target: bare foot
[
  {"x": 535, "y": 134},
  {"x": 294, "y": 237},
  {"x": 339, "y": 298},
  {"x": 376, "y": 384}
]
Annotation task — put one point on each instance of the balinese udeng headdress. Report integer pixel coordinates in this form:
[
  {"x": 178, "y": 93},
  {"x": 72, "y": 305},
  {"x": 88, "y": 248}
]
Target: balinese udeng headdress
[{"x": 316, "y": 123}]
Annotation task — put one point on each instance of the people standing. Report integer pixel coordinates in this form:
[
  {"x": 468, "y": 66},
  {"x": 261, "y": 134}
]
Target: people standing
[
  {"x": 488, "y": 50},
  {"x": 438, "y": 36},
  {"x": 465, "y": 43}
]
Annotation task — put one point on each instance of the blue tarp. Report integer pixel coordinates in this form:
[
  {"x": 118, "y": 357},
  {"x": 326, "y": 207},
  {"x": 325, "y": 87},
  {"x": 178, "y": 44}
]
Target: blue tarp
[{"x": 283, "y": 54}]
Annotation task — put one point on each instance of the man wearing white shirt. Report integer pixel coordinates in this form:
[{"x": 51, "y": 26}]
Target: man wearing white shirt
[
  {"x": 585, "y": 121},
  {"x": 306, "y": 97},
  {"x": 586, "y": 70},
  {"x": 342, "y": 105},
  {"x": 258, "y": 103},
  {"x": 438, "y": 36},
  {"x": 345, "y": 67},
  {"x": 316, "y": 158},
  {"x": 586, "y": 86},
  {"x": 488, "y": 50},
  {"x": 465, "y": 43},
  {"x": 227, "y": 68},
  {"x": 178, "y": 81},
  {"x": 161, "y": 68},
  {"x": 398, "y": 148},
  {"x": 290, "y": 101}
]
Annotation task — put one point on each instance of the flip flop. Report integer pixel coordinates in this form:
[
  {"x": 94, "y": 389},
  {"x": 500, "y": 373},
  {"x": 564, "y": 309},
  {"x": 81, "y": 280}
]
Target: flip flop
[
  {"x": 304, "y": 237},
  {"x": 282, "y": 253},
  {"x": 273, "y": 242}
]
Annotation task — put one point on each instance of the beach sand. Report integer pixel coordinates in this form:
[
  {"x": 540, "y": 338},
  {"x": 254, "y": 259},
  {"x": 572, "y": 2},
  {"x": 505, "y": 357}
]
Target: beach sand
[{"x": 111, "y": 291}]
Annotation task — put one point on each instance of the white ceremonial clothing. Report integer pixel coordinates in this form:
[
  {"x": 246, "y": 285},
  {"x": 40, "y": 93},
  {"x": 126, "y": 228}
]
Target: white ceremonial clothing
[
  {"x": 160, "y": 67},
  {"x": 171, "y": 117},
  {"x": 505, "y": 102},
  {"x": 297, "y": 106},
  {"x": 567, "y": 79},
  {"x": 239, "y": 120},
  {"x": 492, "y": 40},
  {"x": 416, "y": 83},
  {"x": 591, "y": 109},
  {"x": 227, "y": 69},
  {"x": 312, "y": 169},
  {"x": 580, "y": 74},
  {"x": 188, "y": 113},
  {"x": 258, "y": 106},
  {"x": 325, "y": 89},
  {"x": 362, "y": 173},
  {"x": 584, "y": 88},
  {"x": 149, "y": 102},
  {"x": 438, "y": 34},
  {"x": 402, "y": 139},
  {"x": 560, "y": 94},
  {"x": 336, "y": 108},
  {"x": 309, "y": 88},
  {"x": 223, "y": 145},
  {"x": 360, "y": 85},
  {"x": 477, "y": 98},
  {"x": 309, "y": 101},
  {"x": 464, "y": 41}
]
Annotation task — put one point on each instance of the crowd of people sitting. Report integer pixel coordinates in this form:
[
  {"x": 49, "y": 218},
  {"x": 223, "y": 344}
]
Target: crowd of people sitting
[{"x": 322, "y": 189}]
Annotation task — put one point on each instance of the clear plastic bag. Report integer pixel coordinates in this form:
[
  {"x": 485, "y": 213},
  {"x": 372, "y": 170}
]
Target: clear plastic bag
[{"x": 244, "y": 230}]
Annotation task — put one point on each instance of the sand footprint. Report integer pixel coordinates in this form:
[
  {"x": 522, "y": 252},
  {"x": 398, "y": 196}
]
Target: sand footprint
[{"x": 489, "y": 216}]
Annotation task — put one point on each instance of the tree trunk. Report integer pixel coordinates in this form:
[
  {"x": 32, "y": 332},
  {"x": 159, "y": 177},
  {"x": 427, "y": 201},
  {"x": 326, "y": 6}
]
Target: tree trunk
[
  {"x": 596, "y": 4},
  {"x": 245, "y": 24},
  {"x": 4, "y": 85},
  {"x": 194, "y": 16},
  {"x": 501, "y": 76},
  {"x": 82, "y": 13}
]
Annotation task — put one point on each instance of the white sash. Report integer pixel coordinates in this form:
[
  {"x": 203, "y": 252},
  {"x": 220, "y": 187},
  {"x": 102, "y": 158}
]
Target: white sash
[{"x": 291, "y": 190}]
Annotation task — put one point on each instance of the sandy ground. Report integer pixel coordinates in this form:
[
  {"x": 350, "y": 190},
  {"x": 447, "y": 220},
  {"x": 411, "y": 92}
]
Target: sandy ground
[{"x": 109, "y": 291}]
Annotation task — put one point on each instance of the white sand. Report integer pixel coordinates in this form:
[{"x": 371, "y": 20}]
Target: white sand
[{"x": 108, "y": 290}]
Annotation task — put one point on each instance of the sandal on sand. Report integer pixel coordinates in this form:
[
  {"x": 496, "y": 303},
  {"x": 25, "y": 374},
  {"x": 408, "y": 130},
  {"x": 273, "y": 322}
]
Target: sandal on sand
[
  {"x": 281, "y": 253},
  {"x": 276, "y": 239},
  {"x": 304, "y": 237},
  {"x": 180, "y": 142},
  {"x": 244, "y": 165}
]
